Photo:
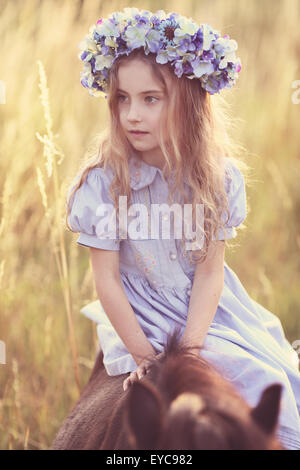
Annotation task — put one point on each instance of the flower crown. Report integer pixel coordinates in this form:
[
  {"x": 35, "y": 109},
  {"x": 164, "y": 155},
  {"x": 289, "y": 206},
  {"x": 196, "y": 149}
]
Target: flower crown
[{"x": 195, "y": 51}]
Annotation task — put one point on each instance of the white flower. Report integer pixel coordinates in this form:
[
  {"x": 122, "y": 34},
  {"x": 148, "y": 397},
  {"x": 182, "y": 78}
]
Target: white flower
[
  {"x": 135, "y": 35},
  {"x": 110, "y": 42},
  {"x": 107, "y": 28},
  {"x": 103, "y": 61},
  {"x": 202, "y": 68},
  {"x": 228, "y": 58},
  {"x": 87, "y": 44},
  {"x": 208, "y": 36},
  {"x": 225, "y": 45},
  {"x": 186, "y": 26}
]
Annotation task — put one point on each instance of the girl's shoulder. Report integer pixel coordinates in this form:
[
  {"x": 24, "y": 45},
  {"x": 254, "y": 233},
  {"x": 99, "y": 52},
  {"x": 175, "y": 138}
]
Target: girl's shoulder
[
  {"x": 233, "y": 175},
  {"x": 95, "y": 179},
  {"x": 94, "y": 187},
  {"x": 102, "y": 173},
  {"x": 87, "y": 206}
]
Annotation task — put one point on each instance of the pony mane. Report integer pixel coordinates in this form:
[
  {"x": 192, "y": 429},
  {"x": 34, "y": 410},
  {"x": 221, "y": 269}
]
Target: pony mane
[{"x": 179, "y": 370}]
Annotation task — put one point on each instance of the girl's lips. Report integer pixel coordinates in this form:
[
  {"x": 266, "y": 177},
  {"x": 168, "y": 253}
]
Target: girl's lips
[{"x": 138, "y": 134}]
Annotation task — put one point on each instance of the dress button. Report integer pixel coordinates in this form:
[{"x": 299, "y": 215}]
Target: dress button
[
  {"x": 166, "y": 217},
  {"x": 173, "y": 256},
  {"x": 189, "y": 292}
]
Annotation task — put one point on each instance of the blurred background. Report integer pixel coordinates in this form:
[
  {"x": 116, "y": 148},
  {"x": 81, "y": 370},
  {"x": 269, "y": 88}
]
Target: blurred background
[{"x": 47, "y": 121}]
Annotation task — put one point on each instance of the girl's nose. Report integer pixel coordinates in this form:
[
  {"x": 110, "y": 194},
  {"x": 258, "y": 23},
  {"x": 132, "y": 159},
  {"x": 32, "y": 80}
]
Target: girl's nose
[{"x": 133, "y": 113}]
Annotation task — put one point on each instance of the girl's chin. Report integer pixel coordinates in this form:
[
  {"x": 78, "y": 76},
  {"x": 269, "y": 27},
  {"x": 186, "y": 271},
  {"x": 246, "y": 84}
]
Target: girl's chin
[{"x": 143, "y": 144}]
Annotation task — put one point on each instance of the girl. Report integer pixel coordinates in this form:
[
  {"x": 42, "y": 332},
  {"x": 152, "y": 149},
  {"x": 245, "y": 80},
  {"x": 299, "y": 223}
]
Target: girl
[{"x": 166, "y": 143}]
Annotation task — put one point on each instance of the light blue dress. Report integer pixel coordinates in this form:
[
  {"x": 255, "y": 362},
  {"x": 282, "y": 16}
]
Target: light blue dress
[{"x": 245, "y": 341}]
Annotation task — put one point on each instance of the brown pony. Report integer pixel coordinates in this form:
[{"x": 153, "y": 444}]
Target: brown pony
[{"x": 182, "y": 403}]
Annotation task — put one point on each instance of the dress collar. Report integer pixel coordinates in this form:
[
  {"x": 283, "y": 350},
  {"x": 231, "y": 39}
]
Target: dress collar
[{"x": 142, "y": 174}]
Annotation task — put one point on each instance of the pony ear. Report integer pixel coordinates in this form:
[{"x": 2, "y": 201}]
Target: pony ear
[
  {"x": 144, "y": 415},
  {"x": 266, "y": 413}
]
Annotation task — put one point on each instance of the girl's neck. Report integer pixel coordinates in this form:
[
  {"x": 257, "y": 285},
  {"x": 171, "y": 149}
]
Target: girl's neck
[{"x": 153, "y": 160}]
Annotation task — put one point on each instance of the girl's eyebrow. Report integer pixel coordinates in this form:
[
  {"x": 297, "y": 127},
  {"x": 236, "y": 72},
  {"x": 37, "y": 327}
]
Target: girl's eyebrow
[{"x": 143, "y": 92}]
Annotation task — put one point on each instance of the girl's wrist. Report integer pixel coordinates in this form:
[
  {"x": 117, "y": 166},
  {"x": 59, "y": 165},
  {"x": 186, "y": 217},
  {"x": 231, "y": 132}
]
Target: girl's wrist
[
  {"x": 195, "y": 347},
  {"x": 138, "y": 358}
]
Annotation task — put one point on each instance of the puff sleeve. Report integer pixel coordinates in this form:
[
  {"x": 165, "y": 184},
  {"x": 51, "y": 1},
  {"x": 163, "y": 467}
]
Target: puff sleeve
[
  {"x": 236, "y": 193},
  {"x": 89, "y": 206}
]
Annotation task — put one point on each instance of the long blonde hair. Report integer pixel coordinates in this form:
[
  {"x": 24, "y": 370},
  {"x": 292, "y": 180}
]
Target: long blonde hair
[{"x": 197, "y": 125}]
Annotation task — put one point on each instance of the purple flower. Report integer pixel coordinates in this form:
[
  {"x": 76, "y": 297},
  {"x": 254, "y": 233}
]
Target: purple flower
[
  {"x": 187, "y": 68},
  {"x": 212, "y": 85},
  {"x": 83, "y": 82},
  {"x": 83, "y": 55},
  {"x": 105, "y": 50},
  {"x": 198, "y": 39},
  {"x": 178, "y": 69},
  {"x": 207, "y": 55},
  {"x": 186, "y": 45}
]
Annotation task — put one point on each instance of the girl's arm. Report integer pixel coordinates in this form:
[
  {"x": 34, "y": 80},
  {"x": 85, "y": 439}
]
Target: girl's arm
[
  {"x": 110, "y": 290},
  {"x": 206, "y": 292}
]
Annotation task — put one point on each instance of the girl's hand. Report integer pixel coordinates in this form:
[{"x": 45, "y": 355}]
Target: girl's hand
[{"x": 140, "y": 372}]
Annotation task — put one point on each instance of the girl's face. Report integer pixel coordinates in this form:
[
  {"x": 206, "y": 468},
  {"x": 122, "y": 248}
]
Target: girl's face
[{"x": 141, "y": 101}]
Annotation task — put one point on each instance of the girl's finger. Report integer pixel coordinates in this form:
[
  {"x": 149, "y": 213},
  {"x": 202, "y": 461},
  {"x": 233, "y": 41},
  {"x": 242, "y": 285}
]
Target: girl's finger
[
  {"x": 141, "y": 371},
  {"x": 127, "y": 382},
  {"x": 133, "y": 375},
  {"x": 138, "y": 374},
  {"x": 141, "y": 374}
]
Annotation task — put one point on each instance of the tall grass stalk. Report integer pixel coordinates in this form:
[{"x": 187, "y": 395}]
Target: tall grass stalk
[{"x": 54, "y": 215}]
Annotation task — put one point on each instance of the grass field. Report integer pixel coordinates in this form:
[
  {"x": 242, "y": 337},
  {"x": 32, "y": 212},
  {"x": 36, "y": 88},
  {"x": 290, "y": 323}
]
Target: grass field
[{"x": 46, "y": 124}]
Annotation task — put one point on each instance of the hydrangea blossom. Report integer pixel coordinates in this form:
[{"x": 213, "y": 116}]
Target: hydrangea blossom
[{"x": 196, "y": 51}]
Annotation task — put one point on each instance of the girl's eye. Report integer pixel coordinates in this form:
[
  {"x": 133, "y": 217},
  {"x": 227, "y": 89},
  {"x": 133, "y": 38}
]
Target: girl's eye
[
  {"x": 151, "y": 97},
  {"x": 120, "y": 98}
]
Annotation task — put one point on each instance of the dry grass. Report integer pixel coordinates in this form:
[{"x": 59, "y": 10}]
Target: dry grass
[{"x": 45, "y": 278}]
